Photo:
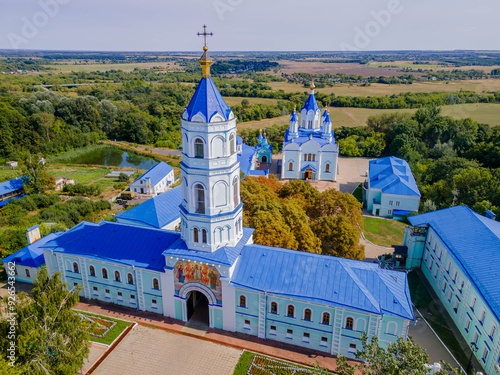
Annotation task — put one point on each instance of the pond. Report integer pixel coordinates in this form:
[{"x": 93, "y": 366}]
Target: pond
[{"x": 113, "y": 157}]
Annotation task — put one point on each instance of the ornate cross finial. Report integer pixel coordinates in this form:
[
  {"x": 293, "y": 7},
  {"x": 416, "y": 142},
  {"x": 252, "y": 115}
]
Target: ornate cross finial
[{"x": 205, "y": 34}]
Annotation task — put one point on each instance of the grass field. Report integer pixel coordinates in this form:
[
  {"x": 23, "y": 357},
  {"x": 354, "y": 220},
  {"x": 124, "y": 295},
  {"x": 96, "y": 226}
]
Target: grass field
[
  {"x": 67, "y": 68},
  {"x": 379, "y": 89},
  {"x": 234, "y": 100},
  {"x": 384, "y": 232}
]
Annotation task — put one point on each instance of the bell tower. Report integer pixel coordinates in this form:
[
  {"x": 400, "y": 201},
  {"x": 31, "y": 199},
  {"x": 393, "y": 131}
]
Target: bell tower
[{"x": 211, "y": 210}]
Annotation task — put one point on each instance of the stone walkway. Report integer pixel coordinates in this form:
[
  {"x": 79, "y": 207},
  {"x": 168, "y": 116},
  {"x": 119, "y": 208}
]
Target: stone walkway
[
  {"x": 235, "y": 340},
  {"x": 152, "y": 351}
]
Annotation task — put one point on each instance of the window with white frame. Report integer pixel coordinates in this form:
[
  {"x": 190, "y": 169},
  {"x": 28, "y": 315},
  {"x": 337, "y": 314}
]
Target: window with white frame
[
  {"x": 75, "y": 267},
  {"x": 326, "y": 318},
  {"x": 95, "y": 291},
  {"x": 436, "y": 272},
  {"x": 272, "y": 330},
  {"x": 426, "y": 255},
  {"x": 91, "y": 271},
  {"x": 455, "y": 306},
  {"x": 156, "y": 284},
  {"x": 290, "y": 311},
  {"x": 130, "y": 278},
  {"x": 482, "y": 317},
  {"x": 107, "y": 293},
  {"x": 476, "y": 337},
  {"x": 307, "y": 315},
  {"x": 448, "y": 266},
  {"x": 445, "y": 284},
  {"x": 104, "y": 273},
  {"x": 132, "y": 299},
  {"x": 467, "y": 323},
  {"x": 473, "y": 302},
  {"x": 243, "y": 301},
  {"x": 450, "y": 294},
  {"x": 454, "y": 277},
  {"x": 27, "y": 272},
  {"x": 493, "y": 331},
  {"x": 154, "y": 304},
  {"x": 486, "y": 352},
  {"x": 289, "y": 333},
  {"x": 391, "y": 203},
  {"x": 398, "y": 203},
  {"x": 352, "y": 348},
  {"x": 324, "y": 341},
  {"x": 274, "y": 307},
  {"x": 305, "y": 337},
  {"x": 389, "y": 212},
  {"x": 118, "y": 277},
  {"x": 120, "y": 296},
  {"x": 461, "y": 287}
]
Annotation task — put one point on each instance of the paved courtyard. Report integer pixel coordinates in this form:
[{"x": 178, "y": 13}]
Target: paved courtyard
[{"x": 155, "y": 351}]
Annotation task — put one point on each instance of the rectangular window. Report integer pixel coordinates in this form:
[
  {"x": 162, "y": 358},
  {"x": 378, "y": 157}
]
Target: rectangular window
[
  {"x": 426, "y": 255},
  {"x": 247, "y": 324},
  {"x": 324, "y": 341},
  {"x": 450, "y": 294},
  {"x": 398, "y": 203},
  {"x": 289, "y": 333},
  {"x": 455, "y": 276},
  {"x": 467, "y": 324},
  {"x": 436, "y": 272},
  {"x": 389, "y": 212},
  {"x": 431, "y": 263},
  {"x": 486, "y": 351},
  {"x": 132, "y": 299},
  {"x": 476, "y": 337},
  {"x": 461, "y": 288},
  {"x": 75, "y": 284},
  {"x": 352, "y": 348},
  {"x": 272, "y": 330},
  {"x": 473, "y": 303},
  {"x": 391, "y": 203},
  {"x": 107, "y": 295},
  {"x": 305, "y": 338},
  {"x": 445, "y": 284},
  {"x": 120, "y": 296},
  {"x": 95, "y": 291},
  {"x": 455, "y": 306},
  {"x": 154, "y": 304}
]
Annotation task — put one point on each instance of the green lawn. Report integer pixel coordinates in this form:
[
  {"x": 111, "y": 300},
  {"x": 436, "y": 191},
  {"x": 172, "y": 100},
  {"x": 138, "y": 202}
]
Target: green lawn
[
  {"x": 432, "y": 309},
  {"x": 120, "y": 326},
  {"x": 273, "y": 366},
  {"x": 384, "y": 232}
]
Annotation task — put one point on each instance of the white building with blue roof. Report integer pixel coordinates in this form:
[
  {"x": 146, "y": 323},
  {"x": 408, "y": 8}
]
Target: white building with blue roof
[
  {"x": 11, "y": 189},
  {"x": 210, "y": 269},
  {"x": 457, "y": 250},
  {"x": 156, "y": 180},
  {"x": 309, "y": 148},
  {"x": 390, "y": 189}
]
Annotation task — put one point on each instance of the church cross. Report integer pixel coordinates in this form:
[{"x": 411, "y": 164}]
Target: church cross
[{"x": 205, "y": 34}]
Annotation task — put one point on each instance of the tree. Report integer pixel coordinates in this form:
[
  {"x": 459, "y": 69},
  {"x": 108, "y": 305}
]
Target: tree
[
  {"x": 122, "y": 177},
  {"x": 35, "y": 179},
  {"x": 51, "y": 336}
]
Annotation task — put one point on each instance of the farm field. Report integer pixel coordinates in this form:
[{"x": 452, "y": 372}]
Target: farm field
[
  {"x": 351, "y": 117},
  {"x": 235, "y": 100},
  {"x": 379, "y": 89},
  {"x": 67, "y": 68}
]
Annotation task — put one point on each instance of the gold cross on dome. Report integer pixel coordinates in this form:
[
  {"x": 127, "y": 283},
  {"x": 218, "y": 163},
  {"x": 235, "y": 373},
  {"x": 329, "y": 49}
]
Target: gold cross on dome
[{"x": 205, "y": 34}]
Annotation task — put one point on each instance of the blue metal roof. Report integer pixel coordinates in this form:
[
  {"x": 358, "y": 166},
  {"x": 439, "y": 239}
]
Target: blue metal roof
[
  {"x": 324, "y": 279},
  {"x": 294, "y": 117},
  {"x": 305, "y": 136},
  {"x": 3, "y": 203},
  {"x": 326, "y": 117},
  {"x": 225, "y": 256},
  {"x": 245, "y": 158},
  {"x": 119, "y": 243},
  {"x": 208, "y": 101},
  {"x": 392, "y": 176},
  {"x": 157, "y": 211},
  {"x": 31, "y": 255},
  {"x": 156, "y": 173},
  {"x": 310, "y": 104},
  {"x": 474, "y": 242},
  {"x": 239, "y": 140},
  {"x": 10, "y": 186},
  {"x": 309, "y": 166}
]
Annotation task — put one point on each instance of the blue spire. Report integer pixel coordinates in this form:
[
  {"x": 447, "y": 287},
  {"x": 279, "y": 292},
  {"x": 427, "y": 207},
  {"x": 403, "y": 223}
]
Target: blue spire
[
  {"x": 208, "y": 101},
  {"x": 326, "y": 116},
  {"x": 294, "y": 117},
  {"x": 311, "y": 103}
]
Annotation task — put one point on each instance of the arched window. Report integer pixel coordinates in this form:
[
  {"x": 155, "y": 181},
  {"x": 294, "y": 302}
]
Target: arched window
[
  {"x": 308, "y": 157},
  {"x": 75, "y": 267},
  {"x": 314, "y": 157},
  {"x": 305, "y": 157},
  {"x": 156, "y": 284},
  {"x": 232, "y": 142},
  {"x": 199, "y": 198},
  {"x": 327, "y": 167},
  {"x": 326, "y": 318},
  {"x": 130, "y": 278},
  {"x": 104, "y": 272},
  {"x": 199, "y": 148},
  {"x": 482, "y": 317},
  {"x": 243, "y": 301},
  {"x": 117, "y": 276},
  {"x": 307, "y": 314},
  {"x": 27, "y": 272},
  {"x": 195, "y": 234},
  {"x": 290, "y": 311},
  {"x": 264, "y": 159},
  {"x": 274, "y": 308},
  {"x": 349, "y": 323},
  {"x": 91, "y": 271},
  {"x": 204, "y": 235},
  {"x": 236, "y": 192},
  {"x": 290, "y": 166},
  {"x": 493, "y": 330},
  {"x": 391, "y": 328}
]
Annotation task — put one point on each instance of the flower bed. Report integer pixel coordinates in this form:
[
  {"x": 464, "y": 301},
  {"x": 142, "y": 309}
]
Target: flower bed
[{"x": 100, "y": 326}]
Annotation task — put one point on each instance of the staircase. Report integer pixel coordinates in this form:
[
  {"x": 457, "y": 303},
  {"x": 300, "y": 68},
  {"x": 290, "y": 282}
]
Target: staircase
[
  {"x": 140, "y": 294},
  {"x": 337, "y": 331},
  {"x": 262, "y": 316}
]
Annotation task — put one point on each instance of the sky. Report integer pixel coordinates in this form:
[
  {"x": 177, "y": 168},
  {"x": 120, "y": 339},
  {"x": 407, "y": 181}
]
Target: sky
[{"x": 250, "y": 25}]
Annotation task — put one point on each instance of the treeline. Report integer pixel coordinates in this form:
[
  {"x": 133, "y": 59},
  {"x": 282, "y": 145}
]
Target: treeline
[
  {"x": 15, "y": 217},
  {"x": 274, "y": 134},
  {"x": 297, "y": 216},
  {"x": 454, "y": 161}
]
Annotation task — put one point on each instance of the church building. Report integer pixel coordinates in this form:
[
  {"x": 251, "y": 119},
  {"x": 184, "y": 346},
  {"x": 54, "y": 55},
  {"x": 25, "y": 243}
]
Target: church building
[
  {"x": 209, "y": 267},
  {"x": 309, "y": 149}
]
